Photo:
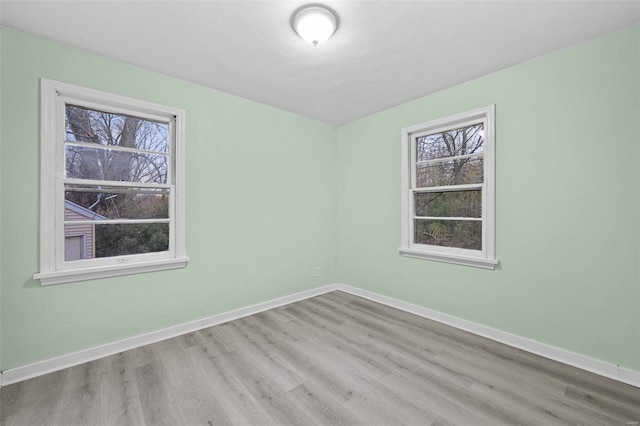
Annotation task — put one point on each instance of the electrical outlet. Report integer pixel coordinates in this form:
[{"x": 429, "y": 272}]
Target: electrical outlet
[{"x": 316, "y": 271}]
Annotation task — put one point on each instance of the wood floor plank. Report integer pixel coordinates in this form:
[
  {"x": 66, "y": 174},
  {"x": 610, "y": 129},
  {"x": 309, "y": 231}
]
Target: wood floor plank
[
  {"x": 121, "y": 401},
  {"x": 268, "y": 395},
  {"x": 230, "y": 390},
  {"x": 278, "y": 371},
  {"x": 326, "y": 371},
  {"x": 335, "y": 359},
  {"x": 38, "y": 401},
  {"x": 156, "y": 399},
  {"x": 79, "y": 405},
  {"x": 323, "y": 405},
  {"x": 12, "y": 399}
]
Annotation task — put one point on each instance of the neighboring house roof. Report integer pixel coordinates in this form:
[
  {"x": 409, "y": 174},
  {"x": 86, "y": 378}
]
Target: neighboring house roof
[{"x": 82, "y": 211}]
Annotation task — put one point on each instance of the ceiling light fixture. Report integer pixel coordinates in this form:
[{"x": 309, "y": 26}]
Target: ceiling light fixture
[{"x": 315, "y": 23}]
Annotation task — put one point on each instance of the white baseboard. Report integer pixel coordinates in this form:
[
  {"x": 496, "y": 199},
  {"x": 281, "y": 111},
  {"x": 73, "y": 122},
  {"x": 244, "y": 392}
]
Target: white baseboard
[
  {"x": 601, "y": 368},
  {"x": 50, "y": 365}
]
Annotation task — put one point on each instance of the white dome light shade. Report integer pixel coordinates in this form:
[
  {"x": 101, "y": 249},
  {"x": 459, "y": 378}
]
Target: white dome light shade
[{"x": 315, "y": 23}]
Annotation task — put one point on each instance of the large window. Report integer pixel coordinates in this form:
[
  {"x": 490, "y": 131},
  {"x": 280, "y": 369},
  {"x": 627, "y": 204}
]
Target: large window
[
  {"x": 448, "y": 189},
  {"x": 112, "y": 187}
]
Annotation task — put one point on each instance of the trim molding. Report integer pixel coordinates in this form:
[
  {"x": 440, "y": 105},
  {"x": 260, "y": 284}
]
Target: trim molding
[
  {"x": 54, "y": 95},
  {"x": 477, "y": 262},
  {"x": 50, "y": 365},
  {"x": 563, "y": 356}
]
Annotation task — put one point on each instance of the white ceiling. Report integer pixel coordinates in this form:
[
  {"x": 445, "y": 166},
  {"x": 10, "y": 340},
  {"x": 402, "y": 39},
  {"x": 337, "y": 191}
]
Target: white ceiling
[{"x": 384, "y": 53}]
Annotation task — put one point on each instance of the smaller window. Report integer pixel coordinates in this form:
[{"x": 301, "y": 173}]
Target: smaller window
[
  {"x": 112, "y": 188},
  {"x": 448, "y": 189}
]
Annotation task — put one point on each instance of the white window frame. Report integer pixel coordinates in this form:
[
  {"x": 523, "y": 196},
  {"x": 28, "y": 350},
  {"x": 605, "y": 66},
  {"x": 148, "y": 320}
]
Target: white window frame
[
  {"x": 54, "y": 95},
  {"x": 484, "y": 258}
]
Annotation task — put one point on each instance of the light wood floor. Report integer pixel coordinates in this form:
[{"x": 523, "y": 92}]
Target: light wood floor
[{"x": 332, "y": 359}]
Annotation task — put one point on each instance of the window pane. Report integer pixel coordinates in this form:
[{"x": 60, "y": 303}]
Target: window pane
[
  {"x": 104, "y": 128},
  {"x": 448, "y": 204},
  {"x": 463, "y": 141},
  {"x": 82, "y": 203},
  {"x": 119, "y": 166},
  {"x": 126, "y": 239},
  {"x": 449, "y": 233},
  {"x": 74, "y": 247},
  {"x": 450, "y": 172}
]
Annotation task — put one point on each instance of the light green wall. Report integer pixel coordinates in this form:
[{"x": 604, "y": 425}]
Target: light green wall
[
  {"x": 271, "y": 195},
  {"x": 260, "y": 199},
  {"x": 567, "y": 211}
]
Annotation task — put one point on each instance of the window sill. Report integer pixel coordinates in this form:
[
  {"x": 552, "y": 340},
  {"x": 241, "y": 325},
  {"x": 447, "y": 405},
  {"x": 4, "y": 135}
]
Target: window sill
[
  {"x": 476, "y": 262},
  {"x": 73, "y": 275}
]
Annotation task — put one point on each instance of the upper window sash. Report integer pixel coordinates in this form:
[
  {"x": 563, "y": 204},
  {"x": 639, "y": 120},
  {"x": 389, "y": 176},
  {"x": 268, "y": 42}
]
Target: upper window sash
[
  {"x": 477, "y": 154},
  {"x": 63, "y": 142}
]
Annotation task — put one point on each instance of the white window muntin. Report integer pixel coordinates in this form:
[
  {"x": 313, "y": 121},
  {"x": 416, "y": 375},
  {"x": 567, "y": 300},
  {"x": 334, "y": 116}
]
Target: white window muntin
[
  {"x": 485, "y": 257},
  {"x": 54, "y": 269}
]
